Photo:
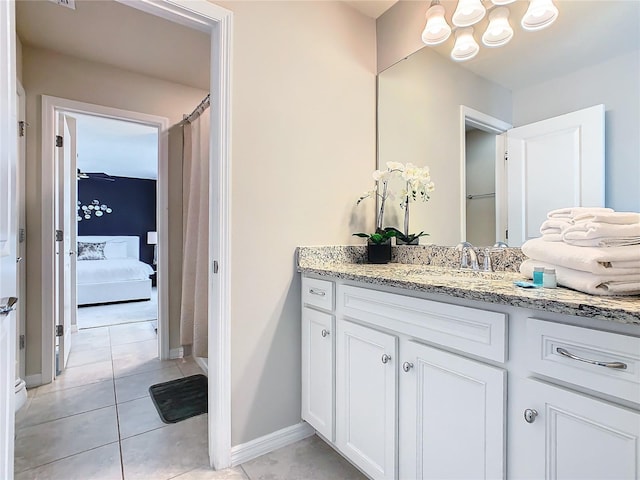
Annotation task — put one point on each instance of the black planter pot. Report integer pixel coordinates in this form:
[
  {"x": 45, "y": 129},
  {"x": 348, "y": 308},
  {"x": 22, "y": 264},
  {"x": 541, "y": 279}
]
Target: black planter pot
[{"x": 379, "y": 253}]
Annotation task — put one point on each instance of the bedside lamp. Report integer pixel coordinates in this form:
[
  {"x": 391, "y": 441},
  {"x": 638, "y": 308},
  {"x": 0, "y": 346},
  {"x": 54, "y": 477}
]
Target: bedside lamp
[{"x": 152, "y": 239}]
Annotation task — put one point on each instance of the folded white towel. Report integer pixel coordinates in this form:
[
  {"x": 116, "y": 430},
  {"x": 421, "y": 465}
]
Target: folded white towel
[
  {"x": 587, "y": 282},
  {"x": 571, "y": 212},
  {"x": 555, "y": 225},
  {"x": 614, "y": 218},
  {"x": 596, "y": 234},
  {"x": 552, "y": 237},
  {"x": 600, "y": 261}
]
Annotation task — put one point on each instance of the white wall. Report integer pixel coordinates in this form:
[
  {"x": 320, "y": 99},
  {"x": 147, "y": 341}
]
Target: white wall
[
  {"x": 615, "y": 84},
  {"x": 303, "y": 111},
  {"x": 50, "y": 73},
  {"x": 419, "y": 122}
]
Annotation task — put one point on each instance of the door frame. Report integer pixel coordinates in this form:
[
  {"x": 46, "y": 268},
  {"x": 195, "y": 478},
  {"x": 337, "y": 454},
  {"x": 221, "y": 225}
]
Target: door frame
[
  {"x": 21, "y": 245},
  {"x": 486, "y": 123},
  {"x": 51, "y": 107},
  {"x": 218, "y": 23}
]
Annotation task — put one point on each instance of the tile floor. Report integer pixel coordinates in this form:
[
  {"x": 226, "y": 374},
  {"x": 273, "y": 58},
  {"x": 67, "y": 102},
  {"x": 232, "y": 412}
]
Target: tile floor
[{"x": 97, "y": 421}]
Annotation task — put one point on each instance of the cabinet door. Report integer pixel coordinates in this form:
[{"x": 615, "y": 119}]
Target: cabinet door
[
  {"x": 317, "y": 371},
  {"x": 366, "y": 398},
  {"x": 573, "y": 436},
  {"x": 452, "y": 416}
]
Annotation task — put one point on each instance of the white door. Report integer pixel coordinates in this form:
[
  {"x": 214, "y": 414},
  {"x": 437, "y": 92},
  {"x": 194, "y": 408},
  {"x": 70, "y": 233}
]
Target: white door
[
  {"x": 366, "y": 398},
  {"x": 573, "y": 436},
  {"x": 452, "y": 416},
  {"x": 8, "y": 250},
  {"x": 65, "y": 221},
  {"x": 20, "y": 232},
  {"x": 554, "y": 163},
  {"x": 317, "y": 371}
]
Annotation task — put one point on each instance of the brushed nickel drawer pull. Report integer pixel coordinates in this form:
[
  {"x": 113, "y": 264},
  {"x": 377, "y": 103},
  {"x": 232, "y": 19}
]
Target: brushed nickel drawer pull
[
  {"x": 320, "y": 293},
  {"x": 618, "y": 365}
]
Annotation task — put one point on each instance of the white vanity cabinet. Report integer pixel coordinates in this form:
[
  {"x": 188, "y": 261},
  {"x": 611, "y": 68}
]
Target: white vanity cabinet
[
  {"x": 408, "y": 410},
  {"x": 411, "y": 388},
  {"x": 317, "y": 355},
  {"x": 366, "y": 409}
]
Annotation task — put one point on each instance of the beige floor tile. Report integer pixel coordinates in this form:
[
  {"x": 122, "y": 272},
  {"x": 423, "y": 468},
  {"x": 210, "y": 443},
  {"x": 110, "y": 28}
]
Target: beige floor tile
[
  {"x": 138, "y": 416},
  {"x": 102, "y": 463},
  {"x": 132, "y": 332},
  {"x": 188, "y": 366},
  {"x": 77, "y": 376},
  {"x": 47, "y": 442},
  {"x": 134, "y": 365},
  {"x": 205, "y": 473},
  {"x": 21, "y": 414},
  {"x": 143, "y": 349},
  {"x": 137, "y": 386},
  {"x": 64, "y": 403},
  {"x": 308, "y": 459},
  {"x": 167, "y": 452},
  {"x": 90, "y": 339},
  {"x": 84, "y": 357}
]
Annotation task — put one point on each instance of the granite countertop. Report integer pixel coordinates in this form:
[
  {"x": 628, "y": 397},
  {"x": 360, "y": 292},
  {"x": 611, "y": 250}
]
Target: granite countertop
[{"x": 491, "y": 287}]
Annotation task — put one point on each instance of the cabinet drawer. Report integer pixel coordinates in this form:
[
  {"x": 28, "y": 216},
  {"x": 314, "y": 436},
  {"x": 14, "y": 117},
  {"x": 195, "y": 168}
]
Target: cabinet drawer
[
  {"x": 317, "y": 293},
  {"x": 470, "y": 330},
  {"x": 601, "y": 361}
]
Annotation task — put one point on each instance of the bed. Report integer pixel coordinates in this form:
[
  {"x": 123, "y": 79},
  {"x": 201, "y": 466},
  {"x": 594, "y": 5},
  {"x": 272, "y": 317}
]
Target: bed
[{"x": 108, "y": 269}]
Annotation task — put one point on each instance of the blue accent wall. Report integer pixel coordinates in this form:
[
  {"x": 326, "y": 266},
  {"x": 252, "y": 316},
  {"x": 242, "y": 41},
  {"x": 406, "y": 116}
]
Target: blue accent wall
[{"x": 133, "y": 201}]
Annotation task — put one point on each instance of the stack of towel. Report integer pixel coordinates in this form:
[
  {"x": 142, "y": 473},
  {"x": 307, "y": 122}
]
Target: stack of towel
[{"x": 594, "y": 250}]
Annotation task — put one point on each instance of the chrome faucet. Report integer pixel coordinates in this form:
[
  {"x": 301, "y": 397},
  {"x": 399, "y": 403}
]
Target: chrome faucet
[{"x": 468, "y": 258}]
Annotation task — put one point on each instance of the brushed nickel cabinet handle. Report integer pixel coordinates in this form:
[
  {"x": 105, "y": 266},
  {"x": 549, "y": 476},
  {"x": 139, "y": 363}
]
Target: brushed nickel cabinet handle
[
  {"x": 385, "y": 358},
  {"x": 320, "y": 293},
  {"x": 617, "y": 365},
  {"x": 324, "y": 332}
]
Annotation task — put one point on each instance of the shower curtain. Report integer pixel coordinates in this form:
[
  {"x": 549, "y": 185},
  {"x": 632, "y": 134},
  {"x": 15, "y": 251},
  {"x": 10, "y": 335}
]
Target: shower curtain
[{"x": 194, "y": 305}]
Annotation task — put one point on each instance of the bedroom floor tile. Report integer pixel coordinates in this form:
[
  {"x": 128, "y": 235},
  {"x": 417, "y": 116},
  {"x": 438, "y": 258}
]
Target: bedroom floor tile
[
  {"x": 143, "y": 350},
  {"x": 132, "y": 332},
  {"x": 90, "y": 339}
]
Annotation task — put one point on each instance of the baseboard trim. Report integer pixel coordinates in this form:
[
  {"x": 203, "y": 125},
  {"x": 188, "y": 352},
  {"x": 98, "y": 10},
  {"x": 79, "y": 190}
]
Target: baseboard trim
[
  {"x": 203, "y": 364},
  {"x": 281, "y": 438},
  {"x": 33, "y": 380},
  {"x": 176, "y": 353}
]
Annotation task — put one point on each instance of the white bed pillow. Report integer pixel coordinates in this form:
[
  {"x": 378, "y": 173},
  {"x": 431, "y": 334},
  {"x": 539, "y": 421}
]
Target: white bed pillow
[
  {"x": 91, "y": 251},
  {"x": 114, "y": 250}
]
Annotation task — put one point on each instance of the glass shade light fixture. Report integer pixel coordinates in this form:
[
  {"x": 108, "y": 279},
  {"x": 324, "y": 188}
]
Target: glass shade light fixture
[
  {"x": 540, "y": 14},
  {"x": 437, "y": 30},
  {"x": 465, "y": 47},
  {"x": 468, "y": 12},
  {"x": 499, "y": 32}
]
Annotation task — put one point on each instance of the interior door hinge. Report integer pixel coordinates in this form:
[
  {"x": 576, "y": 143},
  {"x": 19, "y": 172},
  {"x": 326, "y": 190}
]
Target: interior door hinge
[
  {"x": 59, "y": 141},
  {"x": 215, "y": 266},
  {"x": 22, "y": 342},
  {"x": 59, "y": 330},
  {"x": 21, "y": 125},
  {"x": 506, "y": 156},
  {"x": 59, "y": 236},
  {"x": 506, "y": 234},
  {"x": 21, "y": 235}
]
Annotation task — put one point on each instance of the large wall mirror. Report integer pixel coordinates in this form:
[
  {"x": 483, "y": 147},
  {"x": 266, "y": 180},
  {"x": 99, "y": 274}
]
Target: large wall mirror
[{"x": 589, "y": 56}]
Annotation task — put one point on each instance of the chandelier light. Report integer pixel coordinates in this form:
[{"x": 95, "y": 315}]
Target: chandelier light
[
  {"x": 540, "y": 14},
  {"x": 468, "y": 12},
  {"x": 465, "y": 47},
  {"x": 437, "y": 30},
  {"x": 499, "y": 32}
]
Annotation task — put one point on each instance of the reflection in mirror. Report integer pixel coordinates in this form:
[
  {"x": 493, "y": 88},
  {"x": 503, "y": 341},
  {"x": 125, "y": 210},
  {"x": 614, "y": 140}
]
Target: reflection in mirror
[{"x": 580, "y": 61}]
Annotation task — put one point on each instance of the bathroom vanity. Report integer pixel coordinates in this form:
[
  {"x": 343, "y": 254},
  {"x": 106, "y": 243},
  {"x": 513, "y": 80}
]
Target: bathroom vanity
[{"x": 415, "y": 371}]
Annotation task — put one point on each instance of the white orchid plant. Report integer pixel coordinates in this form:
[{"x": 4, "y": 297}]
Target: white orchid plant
[{"x": 417, "y": 186}]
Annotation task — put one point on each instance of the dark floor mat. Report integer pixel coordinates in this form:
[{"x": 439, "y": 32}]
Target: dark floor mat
[{"x": 180, "y": 399}]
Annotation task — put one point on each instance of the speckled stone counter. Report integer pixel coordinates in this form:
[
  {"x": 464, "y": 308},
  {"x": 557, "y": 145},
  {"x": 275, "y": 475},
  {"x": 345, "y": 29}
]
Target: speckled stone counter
[{"x": 441, "y": 276}]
